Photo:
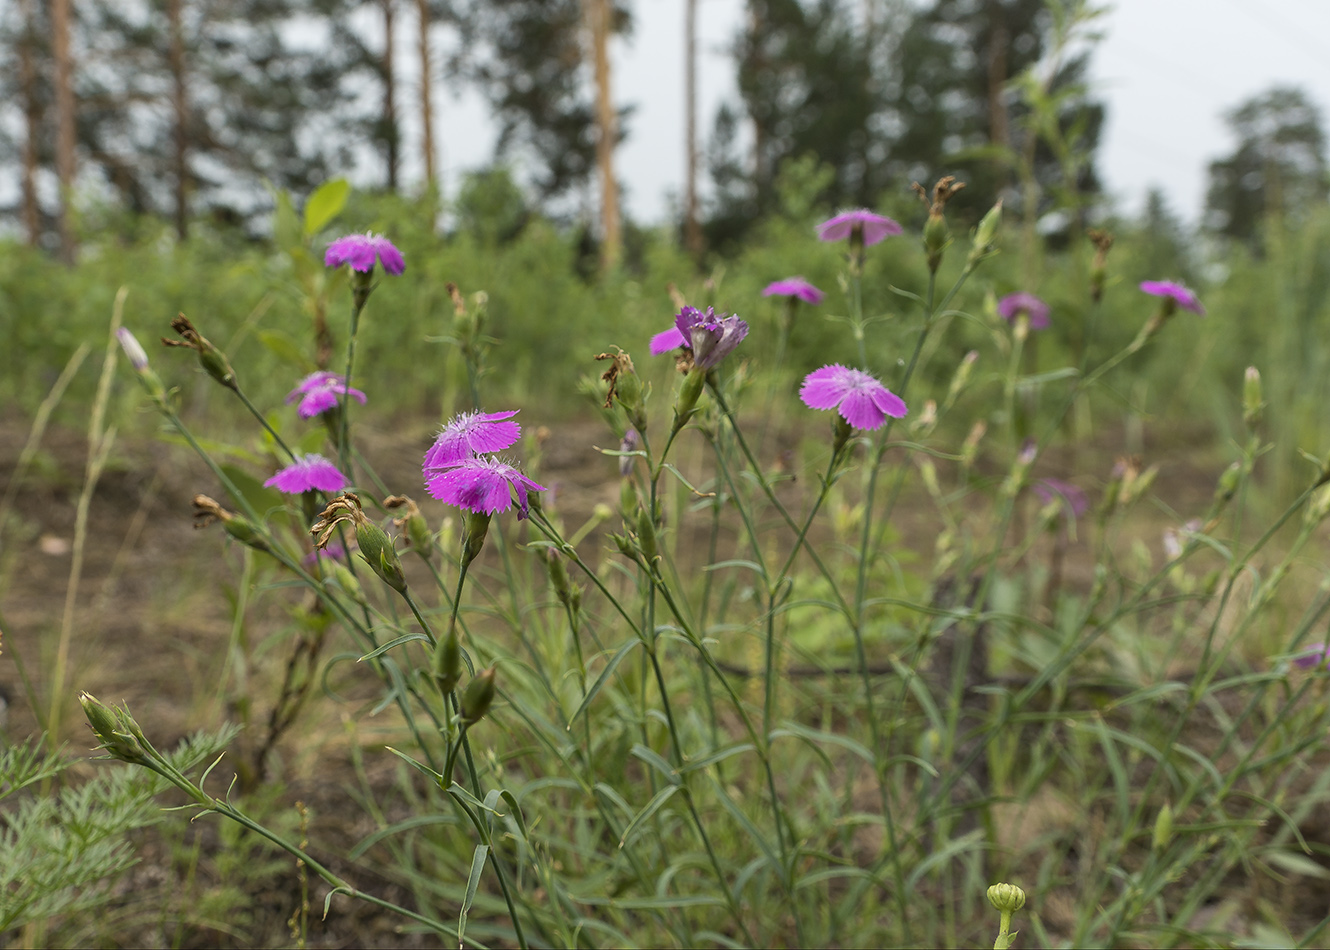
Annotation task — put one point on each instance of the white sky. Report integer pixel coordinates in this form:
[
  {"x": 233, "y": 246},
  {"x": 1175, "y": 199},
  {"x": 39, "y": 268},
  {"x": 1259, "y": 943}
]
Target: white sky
[{"x": 1167, "y": 69}]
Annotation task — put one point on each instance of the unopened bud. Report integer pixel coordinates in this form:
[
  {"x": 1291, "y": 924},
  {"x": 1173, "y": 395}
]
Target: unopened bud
[
  {"x": 984, "y": 235},
  {"x": 117, "y": 730},
  {"x": 377, "y": 550},
  {"x": 962, "y": 377},
  {"x": 478, "y": 697},
  {"x": 1102, "y": 241},
  {"x": 1319, "y": 505},
  {"x": 447, "y": 662},
  {"x": 1163, "y": 830},
  {"x": 1228, "y": 483},
  {"x": 646, "y": 534},
  {"x": 689, "y": 393},
  {"x": 1006, "y": 898},
  {"x": 473, "y": 538},
  {"x": 347, "y": 581},
  {"x": 1251, "y": 397},
  {"x": 841, "y": 430},
  {"x": 558, "y": 573},
  {"x": 628, "y": 443}
]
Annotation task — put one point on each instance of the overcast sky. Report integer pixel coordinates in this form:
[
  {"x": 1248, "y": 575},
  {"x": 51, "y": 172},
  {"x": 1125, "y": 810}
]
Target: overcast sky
[{"x": 1168, "y": 70}]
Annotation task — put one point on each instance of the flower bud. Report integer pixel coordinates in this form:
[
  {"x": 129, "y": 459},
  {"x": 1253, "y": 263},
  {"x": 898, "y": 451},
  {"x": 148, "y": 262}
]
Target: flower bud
[
  {"x": 213, "y": 360},
  {"x": 1102, "y": 241},
  {"x": 962, "y": 377},
  {"x": 347, "y": 581},
  {"x": 646, "y": 534},
  {"x": 447, "y": 662},
  {"x": 473, "y": 538},
  {"x": 478, "y": 696},
  {"x": 1163, "y": 830},
  {"x": 1251, "y": 397},
  {"x": 558, "y": 573},
  {"x": 377, "y": 550},
  {"x": 117, "y": 730},
  {"x": 689, "y": 393},
  {"x": 984, "y": 235},
  {"x": 1006, "y": 898}
]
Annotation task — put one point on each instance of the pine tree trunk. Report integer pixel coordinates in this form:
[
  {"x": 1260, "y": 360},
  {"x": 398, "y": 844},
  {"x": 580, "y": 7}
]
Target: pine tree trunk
[
  {"x": 179, "y": 104},
  {"x": 692, "y": 230},
  {"x": 389, "y": 93},
  {"x": 426, "y": 100},
  {"x": 598, "y": 13},
  {"x": 64, "y": 108},
  {"x": 27, "y": 68}
]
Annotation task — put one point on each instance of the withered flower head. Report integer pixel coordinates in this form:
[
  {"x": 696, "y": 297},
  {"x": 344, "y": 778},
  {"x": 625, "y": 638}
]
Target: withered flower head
[{"x": 213, "y": 360}]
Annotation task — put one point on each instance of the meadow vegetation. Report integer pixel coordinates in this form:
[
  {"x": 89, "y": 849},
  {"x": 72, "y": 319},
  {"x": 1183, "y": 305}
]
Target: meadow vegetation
[{"x": 760, "y": 677}]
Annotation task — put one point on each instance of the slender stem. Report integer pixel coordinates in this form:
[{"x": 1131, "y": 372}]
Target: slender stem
[
  {"x": 344, "y": 443},
  {"x": 253, "y": 410}
]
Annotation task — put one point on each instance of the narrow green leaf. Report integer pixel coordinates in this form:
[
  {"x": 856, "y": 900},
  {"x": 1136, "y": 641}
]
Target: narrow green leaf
[
  {"x": 407, "y": 638},
  {"x": 472, "y": 882},
  {"x": 653, "y": 759},
  {"x": 657, "y": 802},
  {"x": 602, "y": 679}
]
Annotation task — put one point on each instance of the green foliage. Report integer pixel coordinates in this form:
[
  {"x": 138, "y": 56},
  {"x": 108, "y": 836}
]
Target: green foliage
[{"x": 61, "y": 852}]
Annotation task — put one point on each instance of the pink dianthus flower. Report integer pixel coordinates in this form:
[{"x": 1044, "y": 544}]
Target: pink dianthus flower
[
  {"x": 318, "y": 392},
  {"x": 862, "y": 400},
  {"x": 308, "y": 473}
]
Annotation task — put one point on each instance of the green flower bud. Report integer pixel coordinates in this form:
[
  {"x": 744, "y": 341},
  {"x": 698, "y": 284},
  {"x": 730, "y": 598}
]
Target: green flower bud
[
  {"x": 689, "y": 393},
  {"x": 478, "y": 697},
  {"x": 1163, "y": 831},
  {"x": 347, "y": 581},
  {"x": 1251, "y": 397},
  {"x": 473, "y": 538},
  {"x": 646, "y": 534},
  {"x": 377, "y": 550},
  {"x": 984, "y": 235},
  {"x": 558, "y": 573},
  {"x": 1006, "y": 898},
  {"x": 447, "y": 665}
]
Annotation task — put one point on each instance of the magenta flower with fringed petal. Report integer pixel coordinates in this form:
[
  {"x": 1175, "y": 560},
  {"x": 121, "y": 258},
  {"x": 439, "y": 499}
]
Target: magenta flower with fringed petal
[
  {"x": 360, "y": 251},
  {"x": 709, "y": 336},
  {"x": 1013, "y": 305},
  {"x": 472, "y": 433},
  {"x": 863, "y": 401},
  {"x": 1176, "y": 292},
  {"x": 483, "y": 485},
  {"x": 873, "y": 227},
  {"x": 319, "y": 392},
  {"x": 794, "y": 287},
  {"x": 308, "y": 473}
]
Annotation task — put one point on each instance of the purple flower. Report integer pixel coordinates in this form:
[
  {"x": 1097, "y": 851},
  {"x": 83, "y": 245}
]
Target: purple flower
[
  {"x": 1313, "y": 658},
  {"x": 794, "y": 287},
  {"x": 1179, "y": 294},
  {"x": 318, "y": 393},
  {"x": 483, "y": 485},
  {"x": 1013, "y": 305},
  {"x": 361, "y": 250},
  {"x": 863, "y": 401},
  {"x": 873, "y": 227},
  {"x": 1068, "y": 495},
  {"x": 710, "y": 337},
  {"x": 308, "y": 473},
  {"x": 469, "y": 434}
]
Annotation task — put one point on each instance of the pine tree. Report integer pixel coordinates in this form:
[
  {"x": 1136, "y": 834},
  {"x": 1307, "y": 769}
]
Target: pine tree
[{"x": 1277, "y": 169}]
